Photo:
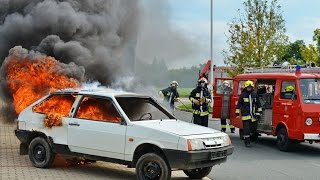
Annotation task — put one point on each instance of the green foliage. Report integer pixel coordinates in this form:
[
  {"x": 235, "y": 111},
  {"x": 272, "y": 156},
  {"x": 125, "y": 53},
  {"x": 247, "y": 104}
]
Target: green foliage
[
  {"x": 184, "y": 92},
  {"x": 293, "y": 51},
  {"x": 257, "y": 36},
  {"x": 310, "y": 54}
]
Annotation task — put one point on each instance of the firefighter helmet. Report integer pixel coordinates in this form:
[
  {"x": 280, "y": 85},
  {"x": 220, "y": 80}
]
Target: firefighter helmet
[
  {"x": 174, "y": 83},
  {"x": 248, "y": 83},
  {"x": 203, "y": 80},
  {"x": 226, "y": 83},
  {"x": 289, "y": 88}
]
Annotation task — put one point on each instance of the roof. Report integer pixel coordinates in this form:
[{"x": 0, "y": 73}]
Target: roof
[
  {"x": 99, "y": 92},
  {"x": 277, "y": 75}
]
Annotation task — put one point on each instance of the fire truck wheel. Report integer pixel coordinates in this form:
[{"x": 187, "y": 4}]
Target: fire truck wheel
[
  {"x": 241, "y": 134},
  {"x": 198, "y": 173},
  {"x": 283, "y": 141},
  {"x": 40, "y": 153}
]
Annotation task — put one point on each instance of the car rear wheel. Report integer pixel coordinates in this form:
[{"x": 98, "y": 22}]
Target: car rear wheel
[
  {"x": 283, "y": 141},
  {"x": 40, "y": 153},
  {"x": 151, "y": 166},
  {"x": 198, "y": 173}
]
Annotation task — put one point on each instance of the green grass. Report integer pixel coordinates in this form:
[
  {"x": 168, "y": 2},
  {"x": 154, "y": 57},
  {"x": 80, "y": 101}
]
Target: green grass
[
  {"x": 188, "y": 107},
  {"x": 184, "y": 92}
]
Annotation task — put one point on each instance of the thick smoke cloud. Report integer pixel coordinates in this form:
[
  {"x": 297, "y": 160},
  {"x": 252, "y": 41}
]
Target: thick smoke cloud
[{"x": 94, "y": 34}]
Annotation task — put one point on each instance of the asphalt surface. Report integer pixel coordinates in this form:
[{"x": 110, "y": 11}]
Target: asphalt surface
[{"x": 263, "y": 161}]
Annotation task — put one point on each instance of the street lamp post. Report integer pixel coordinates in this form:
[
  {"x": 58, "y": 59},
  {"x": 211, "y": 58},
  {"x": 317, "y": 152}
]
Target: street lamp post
[{"x": 211, "y": 49}]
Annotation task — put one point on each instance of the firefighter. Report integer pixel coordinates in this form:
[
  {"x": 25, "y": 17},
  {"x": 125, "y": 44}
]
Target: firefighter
[
  {"x": 226, "y": 89},
  {"x": 251, "y": 110},
  {"x": 170, "y": 95},
  {"x": 200, "y": 98}
]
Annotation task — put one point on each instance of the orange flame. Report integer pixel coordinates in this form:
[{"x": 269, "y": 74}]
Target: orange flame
[{"x": 28, "y": 80}]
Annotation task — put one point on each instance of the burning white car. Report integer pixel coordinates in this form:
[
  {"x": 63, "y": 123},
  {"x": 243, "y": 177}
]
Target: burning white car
[{"x": 120, "y": 127}]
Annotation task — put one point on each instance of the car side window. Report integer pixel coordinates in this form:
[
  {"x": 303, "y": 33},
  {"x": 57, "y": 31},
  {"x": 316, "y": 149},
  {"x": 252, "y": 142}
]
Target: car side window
[
  {"x": 288, "y": 90},
  {"x": 98, "y": 109},
  {"x": 56, "y": 104}
]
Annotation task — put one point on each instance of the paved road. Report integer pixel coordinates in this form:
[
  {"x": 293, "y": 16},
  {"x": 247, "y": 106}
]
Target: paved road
[{"x": 264, "y": 161}]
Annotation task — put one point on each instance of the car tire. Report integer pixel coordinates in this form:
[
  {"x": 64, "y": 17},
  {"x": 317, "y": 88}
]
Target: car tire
[
  {"x": 283, "y": 141},
  {"x": 198, "y": 173},
  {"x": 40, "y": 153},
  {"x": 241, "y": 134},
  {"x": 152, "y": 166}
]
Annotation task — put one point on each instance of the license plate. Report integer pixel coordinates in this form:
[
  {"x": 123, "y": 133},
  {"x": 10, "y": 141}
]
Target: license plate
[{"x": 218, "y": 155}]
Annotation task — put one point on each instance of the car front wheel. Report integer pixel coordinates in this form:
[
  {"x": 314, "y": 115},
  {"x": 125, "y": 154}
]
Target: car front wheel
[
  {"x": 151, "y": 166},
  {"x": 283, "y": 141},
  {"x": 198, "y": 173},
  {"x": 40, "y": 153}
]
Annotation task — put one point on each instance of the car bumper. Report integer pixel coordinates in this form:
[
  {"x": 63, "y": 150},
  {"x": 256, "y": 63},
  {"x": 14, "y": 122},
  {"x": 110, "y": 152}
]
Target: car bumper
[
  {"x": 22, "y": 135},
  {"x": 308, "y": 136},
  {"x": 197, "y": 159}
]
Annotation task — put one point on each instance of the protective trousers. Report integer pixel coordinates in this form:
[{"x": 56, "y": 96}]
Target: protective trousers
[
  {"x": 200, "y": 120},
  {"x": 224, "y": 125},
  {"x": 249, "y": 129}
]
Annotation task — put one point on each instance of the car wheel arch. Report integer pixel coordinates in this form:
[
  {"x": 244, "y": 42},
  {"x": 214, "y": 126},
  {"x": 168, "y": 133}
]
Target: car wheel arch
[
  {"x": 147, "y": 148},
  {"x": 35, "y": 134},
  {"x": 280, "y": 126}
]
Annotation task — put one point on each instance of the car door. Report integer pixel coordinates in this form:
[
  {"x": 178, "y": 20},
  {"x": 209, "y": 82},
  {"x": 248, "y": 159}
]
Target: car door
[
  {"x": 221, "y": 101},
  {"x": 97, "y": 128},
  {"x": 285, "y": 105}
]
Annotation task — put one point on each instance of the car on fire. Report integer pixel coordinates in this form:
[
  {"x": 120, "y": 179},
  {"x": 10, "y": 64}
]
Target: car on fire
[{"x": 120, "y": 127}]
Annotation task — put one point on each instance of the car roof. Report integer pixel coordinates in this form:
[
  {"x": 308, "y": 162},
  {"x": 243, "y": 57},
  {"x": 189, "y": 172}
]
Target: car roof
[{"x": 98, "y": 92}]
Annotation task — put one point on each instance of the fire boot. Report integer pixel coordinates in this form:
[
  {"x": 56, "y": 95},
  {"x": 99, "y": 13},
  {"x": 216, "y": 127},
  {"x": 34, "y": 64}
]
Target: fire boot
[{"x": 247, "y": 142}]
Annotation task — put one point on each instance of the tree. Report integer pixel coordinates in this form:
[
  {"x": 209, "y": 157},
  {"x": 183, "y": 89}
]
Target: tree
[
  {"x": 293, "y": 51},
  {"x": 257, "y": 36},
  {"x": 310, "y": 54}
]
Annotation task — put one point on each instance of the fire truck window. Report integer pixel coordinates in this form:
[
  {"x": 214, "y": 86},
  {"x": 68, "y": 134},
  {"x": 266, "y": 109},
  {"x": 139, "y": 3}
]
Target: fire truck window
[
  {"x": 224, "y": 86},
  {"x": 265, "y": 91},
  {"x": 56, "y": 104},
  {"x": 98, "y": 109},
  {"x": 288, "y": 90}
]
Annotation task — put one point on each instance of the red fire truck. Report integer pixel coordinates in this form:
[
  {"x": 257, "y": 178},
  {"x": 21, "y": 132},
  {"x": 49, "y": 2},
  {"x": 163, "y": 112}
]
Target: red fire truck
[{"x": 291, "y": 117}]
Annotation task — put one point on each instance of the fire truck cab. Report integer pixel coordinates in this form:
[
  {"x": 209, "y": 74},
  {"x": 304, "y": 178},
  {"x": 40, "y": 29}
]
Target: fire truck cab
[{"x": 292, "y": 117}]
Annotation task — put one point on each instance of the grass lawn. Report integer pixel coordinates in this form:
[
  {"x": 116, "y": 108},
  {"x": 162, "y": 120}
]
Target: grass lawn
[
  {"x": 188, "y": 107},
  {"x": 184, "y": 92}
]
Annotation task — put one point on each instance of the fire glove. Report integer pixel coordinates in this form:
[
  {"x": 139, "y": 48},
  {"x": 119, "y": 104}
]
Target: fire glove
[
  {"x": 161, "y": 94},
  {"x": 176, "y": 99},
  {"x": 208, "y": 100},
  {"x": 195, "y": 101}
]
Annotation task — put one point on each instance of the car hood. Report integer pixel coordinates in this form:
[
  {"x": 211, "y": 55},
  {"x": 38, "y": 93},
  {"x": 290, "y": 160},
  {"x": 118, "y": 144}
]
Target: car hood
[{"x": 176, "y": 127}]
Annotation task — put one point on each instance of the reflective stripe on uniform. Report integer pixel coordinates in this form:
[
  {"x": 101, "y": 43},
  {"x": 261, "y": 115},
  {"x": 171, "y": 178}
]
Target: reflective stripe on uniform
[
  {"x": 253, "y": 120},
  {"x": 191, "y": 99},
  {"x": 245, "y": 99},
  {"x": 237, "y": 110},
  {"x": 231, "y": 126},
  {"x": 246, "y": 117},
  {"x": 204, "y": 113},
  {"x": 223, "y": 126}
]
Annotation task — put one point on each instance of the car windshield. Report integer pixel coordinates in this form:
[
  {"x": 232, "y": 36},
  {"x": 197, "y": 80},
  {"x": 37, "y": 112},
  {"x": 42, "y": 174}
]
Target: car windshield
[
  {"x": 143, "y": 108},
  {"x": 310, "y": 90}
]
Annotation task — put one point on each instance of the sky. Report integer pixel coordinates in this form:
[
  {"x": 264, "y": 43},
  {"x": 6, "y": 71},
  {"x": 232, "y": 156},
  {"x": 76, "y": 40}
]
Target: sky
[{"x": 191, "y": 18}]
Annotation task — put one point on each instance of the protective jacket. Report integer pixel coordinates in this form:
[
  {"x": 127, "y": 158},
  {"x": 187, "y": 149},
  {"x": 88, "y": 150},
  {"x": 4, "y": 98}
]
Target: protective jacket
[
  {"x": 204, "y": 97},
  {"x": 250, "y": 106}
]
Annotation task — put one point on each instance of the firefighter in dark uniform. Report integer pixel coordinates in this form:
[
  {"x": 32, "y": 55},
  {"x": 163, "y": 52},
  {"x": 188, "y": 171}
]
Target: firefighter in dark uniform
[
  {"x": 226, "y": 89},
  {"x": 251, "y": 110},
  {"x": 200, "y": 98},
  {"x": 170, "y": 95}
]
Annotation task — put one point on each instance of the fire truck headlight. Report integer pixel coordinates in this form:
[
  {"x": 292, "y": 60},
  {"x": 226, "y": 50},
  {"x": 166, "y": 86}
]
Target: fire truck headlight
[{"x": 309, "y": 121}]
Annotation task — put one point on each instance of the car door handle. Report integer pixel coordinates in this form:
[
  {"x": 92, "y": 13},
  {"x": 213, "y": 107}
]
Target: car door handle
[{"x": 74, "y": 124}]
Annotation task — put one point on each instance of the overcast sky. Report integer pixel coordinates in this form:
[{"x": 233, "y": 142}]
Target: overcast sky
[{"x": 192, "y": 19}]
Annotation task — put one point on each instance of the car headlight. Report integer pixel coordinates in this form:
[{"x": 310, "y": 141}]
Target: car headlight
[
  {"x": 195, "y": 144},
  {"x": 309, "y": 121},
  {"x": 226, "y": 140}
]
